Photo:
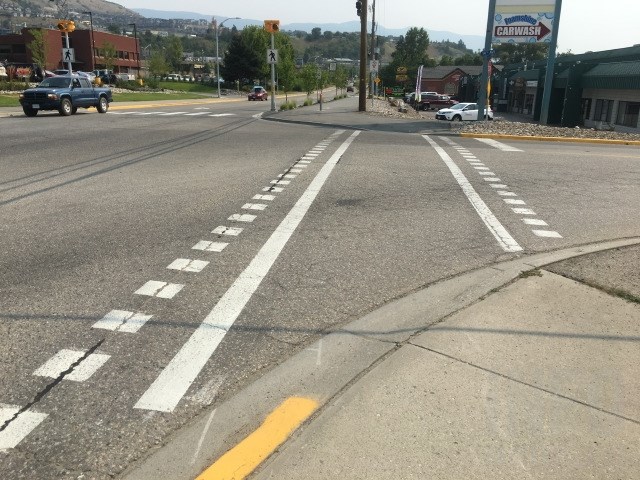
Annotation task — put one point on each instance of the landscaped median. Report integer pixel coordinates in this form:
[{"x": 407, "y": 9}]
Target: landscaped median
[{"x": 509, "y": 130}]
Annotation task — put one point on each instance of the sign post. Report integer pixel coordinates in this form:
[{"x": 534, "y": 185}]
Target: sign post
[{"x": 551, "y": 62}]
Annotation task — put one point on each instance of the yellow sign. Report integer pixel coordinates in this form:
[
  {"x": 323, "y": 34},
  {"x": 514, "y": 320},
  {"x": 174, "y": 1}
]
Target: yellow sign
[
  {"x": 377, "y": 80},
  {"x": 401, "y": 70},
  {"x": 401, "y": 78},
  {"x": 66, "y": 26},
  {"x": 272, "y": 26}
]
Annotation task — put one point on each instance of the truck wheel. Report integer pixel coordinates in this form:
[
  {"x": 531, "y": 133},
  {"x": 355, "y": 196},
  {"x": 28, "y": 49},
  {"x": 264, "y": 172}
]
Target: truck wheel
[
  {"x": 65, "y": 107},
  {"x": 74, "y": 110},
  {"x": 30, "y": 112},
  {"x": 103, "y": 105}
]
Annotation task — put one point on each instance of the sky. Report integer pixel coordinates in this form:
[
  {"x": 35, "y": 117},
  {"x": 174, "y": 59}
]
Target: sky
[{"x": 584, "y": 24}]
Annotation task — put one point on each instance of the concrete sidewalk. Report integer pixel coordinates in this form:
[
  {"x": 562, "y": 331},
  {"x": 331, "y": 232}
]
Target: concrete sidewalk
[{"x": 540, "y": 379}]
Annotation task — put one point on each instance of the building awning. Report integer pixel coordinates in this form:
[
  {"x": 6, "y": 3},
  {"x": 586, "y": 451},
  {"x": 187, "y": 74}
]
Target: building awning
[{"x": 618, "y": 75}]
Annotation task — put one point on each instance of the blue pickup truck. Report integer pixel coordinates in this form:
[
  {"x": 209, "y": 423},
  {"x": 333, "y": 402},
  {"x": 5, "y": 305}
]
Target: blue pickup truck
[{"x": 65, "y": 93}]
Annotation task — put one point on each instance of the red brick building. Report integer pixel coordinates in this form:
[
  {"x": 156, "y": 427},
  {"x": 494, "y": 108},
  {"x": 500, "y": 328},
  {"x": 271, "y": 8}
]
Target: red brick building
[
  {"x": 14, "y": 48},
  {"x": 448, "y": 80}
]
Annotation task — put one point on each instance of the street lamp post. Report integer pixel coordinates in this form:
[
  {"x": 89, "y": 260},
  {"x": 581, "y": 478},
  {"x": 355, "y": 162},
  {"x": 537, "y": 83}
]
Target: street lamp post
[
  {"x": 217, "y": 53},
  {"x": 135, "y": 35},
  {"x": 93, "y": 45}
]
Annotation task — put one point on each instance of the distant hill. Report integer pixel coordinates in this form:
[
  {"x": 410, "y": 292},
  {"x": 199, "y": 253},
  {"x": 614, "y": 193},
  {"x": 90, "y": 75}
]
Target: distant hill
[{"x": 474, "y": 42}]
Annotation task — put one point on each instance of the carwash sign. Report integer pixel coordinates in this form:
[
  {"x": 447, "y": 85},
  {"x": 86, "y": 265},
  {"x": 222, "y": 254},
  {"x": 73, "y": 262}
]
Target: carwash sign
[{"x": 523, "y": 21}]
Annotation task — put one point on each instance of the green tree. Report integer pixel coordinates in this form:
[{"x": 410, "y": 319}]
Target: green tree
[
  {"x": 241, "y": 62},
  {"x": 411, "y": 50},
  {"x": 38, "y": 47},
  {"x": 340, "y": 77},
  {"x": 174, "y": 52},
  {"x": 114, "y": 29},
  {"x": 286, "y": 66},
  {"x": 309, "y": 77},
  {"x": 446, "y": 60},
  {"x": 509, "y": 53},
  {"x": 109, "y": 54},
  {"x": 158, "y": 64}
]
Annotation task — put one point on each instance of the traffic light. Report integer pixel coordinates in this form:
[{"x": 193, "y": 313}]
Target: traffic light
[
  {"x": 359, "y": 8},
  {"x": 66, "y": 26},
  {"x": 272, "y": 26}
]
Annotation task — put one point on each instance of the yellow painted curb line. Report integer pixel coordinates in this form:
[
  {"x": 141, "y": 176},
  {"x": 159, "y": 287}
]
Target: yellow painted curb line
[
  {"x": 245, "y": 457},
  {"x": 552, "y": 139}
]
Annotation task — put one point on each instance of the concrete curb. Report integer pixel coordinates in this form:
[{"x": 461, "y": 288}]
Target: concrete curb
[
  {"x": 338, "y": 360},
  {"x": 552, "y": 139}
]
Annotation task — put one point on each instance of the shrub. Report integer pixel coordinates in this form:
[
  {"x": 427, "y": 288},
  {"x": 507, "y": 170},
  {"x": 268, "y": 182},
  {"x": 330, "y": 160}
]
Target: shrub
[
  {"x": 308, "y": 102},
  {"x": 13, "y": 85}
]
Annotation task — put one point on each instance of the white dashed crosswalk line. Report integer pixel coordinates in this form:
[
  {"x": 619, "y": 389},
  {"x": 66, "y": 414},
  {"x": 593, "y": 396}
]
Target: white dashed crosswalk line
[
  {"x": 64, "y": 359},
  {"x": 154, "y": 288},
  {"x": 244, "y": 217},
  {"x": 207, "y": 246},
  {"x": 231, "y": 231},
  {"x": 187, "y": 265},
  {"x": 19, "y": 426},
  {"x": 122, "y": 321}
]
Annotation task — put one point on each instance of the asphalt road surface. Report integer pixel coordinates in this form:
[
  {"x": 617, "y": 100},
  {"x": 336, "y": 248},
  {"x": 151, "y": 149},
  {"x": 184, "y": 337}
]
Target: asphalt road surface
[{"x": 157, "y": 260}]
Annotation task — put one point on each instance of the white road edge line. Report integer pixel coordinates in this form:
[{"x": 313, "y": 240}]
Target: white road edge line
[
  {"x": 504, "y": 238},
  {"x": 170, "y": 386}
]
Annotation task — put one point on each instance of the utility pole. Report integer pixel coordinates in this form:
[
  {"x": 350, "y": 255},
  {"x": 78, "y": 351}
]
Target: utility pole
[
  {"x": 93, "y": 44},
  {"x": 373, "y": 47},
  {"x": 361, "y": 9}
]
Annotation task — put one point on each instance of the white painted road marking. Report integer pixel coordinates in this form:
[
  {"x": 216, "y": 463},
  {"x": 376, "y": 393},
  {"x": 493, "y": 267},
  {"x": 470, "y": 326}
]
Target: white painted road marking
[
  {"x": 547, "y": 233},
  {"x": 254, "y": 206},
  {"x": 232, "y": 231},
  {"x": 195, "y": 114},
  {"x": 172, "y": 113},
  {"x": 499, "y": 145},
  {"x": 264, "y": 197},
  {"x": 280, "y": 182},
  {"x": 273, "y": 189},
  {"x": 523, "y": 211},
  {"x": 63, "y": 360},
  {"x": 237, "y": 217},
  {"x": 505, "y": 240},
  {"x": 231, "y": 115},
  {"x": 535, "y": 221},
  {"x": 173, "y": 382},
  {"x": 19, "y": 427},
  {"x": 512, "y": 201},
  {"x": 208, "y": 246},
  {"x": 187, "y": 265},
  {"x": 122, "y": 321},
  {"x": 154, "y": 288}
]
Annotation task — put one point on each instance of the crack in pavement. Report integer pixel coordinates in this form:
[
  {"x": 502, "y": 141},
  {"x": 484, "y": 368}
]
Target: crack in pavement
[{"x": 53, "y": 384}]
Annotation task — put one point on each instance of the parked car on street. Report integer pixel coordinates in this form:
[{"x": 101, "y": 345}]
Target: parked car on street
[
  {"x": 462, "y": 112},
  {"x": 258, "y": 93},
  {"x": 430, "y": 101}
]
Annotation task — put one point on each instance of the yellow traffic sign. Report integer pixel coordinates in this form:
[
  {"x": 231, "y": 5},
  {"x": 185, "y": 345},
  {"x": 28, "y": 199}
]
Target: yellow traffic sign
[
  {"x": 401, "y": 78},
  {"x": 401, "y": 70},
  {"x": 377, "y": 80},
  {"x": 272, "y": 26}
]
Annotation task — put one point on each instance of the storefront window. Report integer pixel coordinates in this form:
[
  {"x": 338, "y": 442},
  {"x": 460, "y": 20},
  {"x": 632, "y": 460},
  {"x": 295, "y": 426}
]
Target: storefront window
[
  {"x": 603, "y": 110},
  {"x": 628, "y": 114}
]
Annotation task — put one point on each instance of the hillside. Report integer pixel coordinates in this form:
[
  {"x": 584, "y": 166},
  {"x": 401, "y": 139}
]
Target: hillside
[{"x": 43, "y": 9}]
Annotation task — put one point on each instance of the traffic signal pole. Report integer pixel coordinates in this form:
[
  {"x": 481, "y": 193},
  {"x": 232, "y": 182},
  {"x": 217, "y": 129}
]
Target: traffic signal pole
[
  {"x": 66, "y": 40},
  {"x": 362, "y": 84},
  {"x": 273, "y": 76}
]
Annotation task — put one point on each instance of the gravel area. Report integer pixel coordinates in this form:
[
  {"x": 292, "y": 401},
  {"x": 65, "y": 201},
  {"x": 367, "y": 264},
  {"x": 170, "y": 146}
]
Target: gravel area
[{"x": 500, "y": 126}]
